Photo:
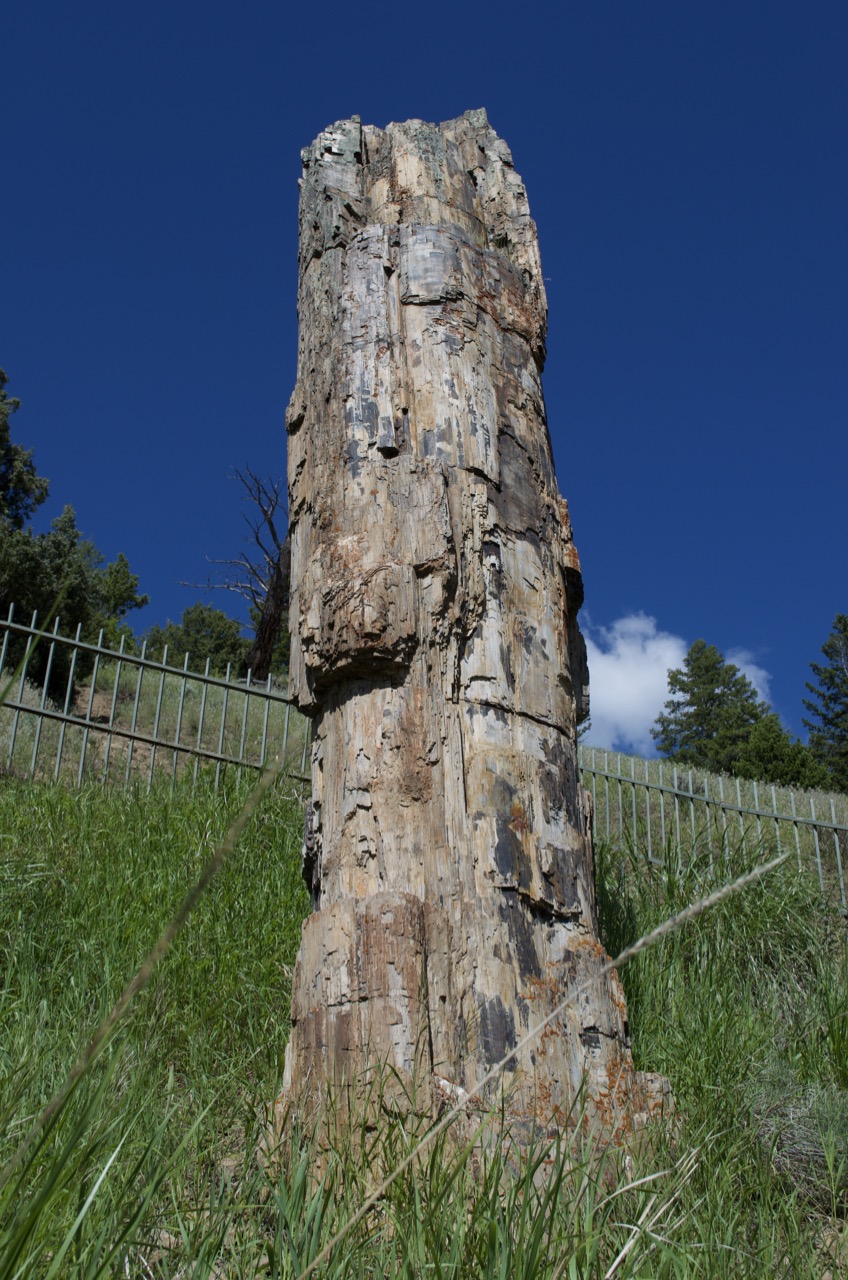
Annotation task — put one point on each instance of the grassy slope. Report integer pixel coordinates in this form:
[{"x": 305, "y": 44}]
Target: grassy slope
[
  {"x": 87, "y": 881},
  {"x": 746, "y": 1012}
]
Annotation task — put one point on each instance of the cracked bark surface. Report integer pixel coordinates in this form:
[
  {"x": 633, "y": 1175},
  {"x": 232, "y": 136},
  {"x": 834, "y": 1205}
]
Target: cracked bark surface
[{"x": 435, "y": 592}]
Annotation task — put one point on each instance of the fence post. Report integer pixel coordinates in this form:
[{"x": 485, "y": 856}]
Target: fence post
[
  {"x": 21, "y": 687},
  {"x": 285, "y": 746},
  {"x": 118, "y": 668},
  {"x": 816, "y": 839},
  {"x": 49, "y": 669},
  {"x": 739, "y": 813},
  {"x": 264, "y": 746},
  {"x": 795, "y": 827},
  {"x": 67, "y": 705},
  {"x": 85, "y": 732},
  {"x": 838, "y": 854},
  {"x": 776, "y": 823},
  {"x": 606, "y": 796},
  {"x": 307, "y": 737},
  {"x": 156, "y": 719},
  {"x": 593, "y": 776},
  {"x": 200, "y": 722},
  {"x": 759, "y": 820},
  {"x": 179, "y": 728},
  {"x": 6, "y": 635},
  {"x": 223, "y": 724},
  {"x": 244, "y": 718},
  {"x": 136, "y": 701},
  {"x": 633, "y": 799},
  {"x": 677, "y": 813},
  {"x": 724, "y": 842}
]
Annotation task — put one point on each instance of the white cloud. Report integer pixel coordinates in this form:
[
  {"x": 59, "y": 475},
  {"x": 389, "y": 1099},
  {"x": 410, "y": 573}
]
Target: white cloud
[
  {"x": 629, "y": 664},
  {"x": 759, "y": 677},
  {"x": 628, "y": 680}
]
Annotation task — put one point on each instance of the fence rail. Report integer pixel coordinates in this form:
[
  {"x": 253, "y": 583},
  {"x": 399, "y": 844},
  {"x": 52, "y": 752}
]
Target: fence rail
[
  {"x": 690, "y": 810},
  {"x": 74, "y": 711},
  {"x": 91, "y": 712}
]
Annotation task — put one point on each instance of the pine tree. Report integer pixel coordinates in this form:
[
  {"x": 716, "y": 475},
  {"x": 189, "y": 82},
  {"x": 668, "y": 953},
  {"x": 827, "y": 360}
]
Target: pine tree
[
  {"x": 711, "y": 713},
  {"x": 771, "y": 754},
  {"x": 118, "y": 594},
  {"x": 22, "y": 489},
  {"x": 829, "y": 705}
]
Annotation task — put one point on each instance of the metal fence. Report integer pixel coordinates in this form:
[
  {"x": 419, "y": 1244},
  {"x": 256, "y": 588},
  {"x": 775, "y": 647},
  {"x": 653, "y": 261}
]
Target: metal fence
[
  {"x": 74, "y": 711},
  {"x": 90, "y": 712},
  {"x": 663, "y": 809}
]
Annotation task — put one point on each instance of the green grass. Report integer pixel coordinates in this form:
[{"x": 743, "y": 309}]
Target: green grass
[
  {"x": 151, "y": 1168},
  {"x": 745, "y": 1012},
  {"x": 87, "y": 881}
]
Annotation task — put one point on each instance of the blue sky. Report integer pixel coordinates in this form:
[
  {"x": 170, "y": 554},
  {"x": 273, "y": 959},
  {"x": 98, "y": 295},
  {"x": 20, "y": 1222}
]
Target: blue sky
[{"x": 686, "y": 166}]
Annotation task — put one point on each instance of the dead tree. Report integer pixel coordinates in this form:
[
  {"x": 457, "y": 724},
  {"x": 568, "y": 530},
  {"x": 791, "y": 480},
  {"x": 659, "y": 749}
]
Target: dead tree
[
  {"x": 272, "y": 615},
  {"x": 261, "y": 576},
  {"x": 435, "y": 590}
]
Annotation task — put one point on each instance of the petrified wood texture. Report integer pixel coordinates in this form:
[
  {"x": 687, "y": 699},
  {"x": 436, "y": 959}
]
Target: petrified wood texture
[{"x": 435, "y": 590}]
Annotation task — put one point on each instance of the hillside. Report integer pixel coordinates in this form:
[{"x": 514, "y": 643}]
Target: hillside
[{"x": 745, "y": 1012}]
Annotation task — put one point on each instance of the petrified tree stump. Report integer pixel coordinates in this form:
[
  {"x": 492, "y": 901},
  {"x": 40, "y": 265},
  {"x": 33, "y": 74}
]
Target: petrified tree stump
[{"x": 435, "y": 591}]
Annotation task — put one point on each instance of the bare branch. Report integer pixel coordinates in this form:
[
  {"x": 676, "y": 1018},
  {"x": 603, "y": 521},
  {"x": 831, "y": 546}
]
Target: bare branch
[{"x": 261, "y": 574}]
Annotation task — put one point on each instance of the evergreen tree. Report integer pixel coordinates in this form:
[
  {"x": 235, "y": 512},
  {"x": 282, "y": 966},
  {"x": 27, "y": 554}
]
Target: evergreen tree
[
  {"x": 53, "y": 573},
  {"x": 45, "y": 571},
  {"x": 118, "y": 589},
  {"x": 770, "y": 754},
  {"x": 62, "y": 571},
  {"x": 22, "y": 490},
  {"x": 202, "y": 633},
  {"x": 711, "y": 713},
  {"x": 829, "y": 705}
]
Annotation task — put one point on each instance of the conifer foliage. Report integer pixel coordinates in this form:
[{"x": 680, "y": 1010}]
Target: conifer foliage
[
  {"x": 22, "y": 489},
  {"x": 203, "y": 632},
  {"x": 712, "y": 709},
  {"x": 715, "y": 720},
  {"x": 829, "y": 705}
]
